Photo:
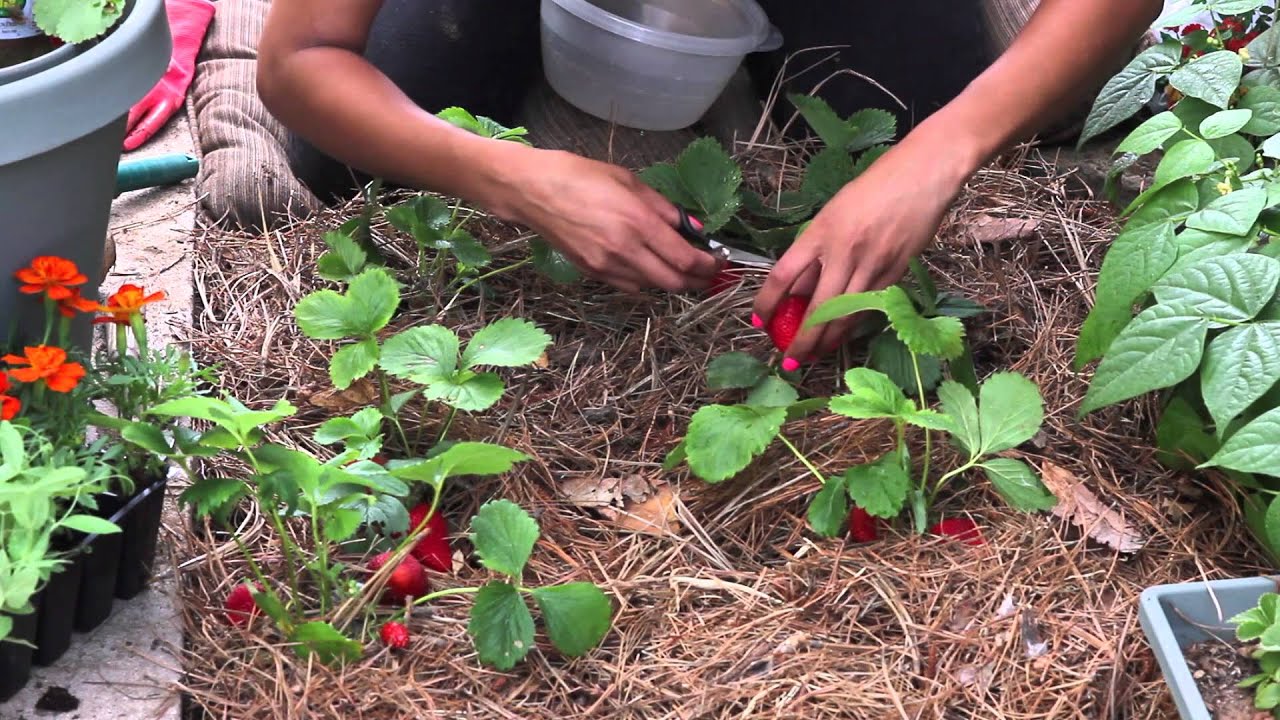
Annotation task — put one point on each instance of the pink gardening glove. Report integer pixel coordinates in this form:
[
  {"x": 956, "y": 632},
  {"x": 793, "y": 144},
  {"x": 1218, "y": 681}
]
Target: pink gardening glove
[{"x": 188, "y": 21}]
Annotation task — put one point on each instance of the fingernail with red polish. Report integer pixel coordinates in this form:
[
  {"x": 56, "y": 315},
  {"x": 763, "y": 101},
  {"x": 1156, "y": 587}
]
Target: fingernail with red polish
[
  {"x": 695, "y": 222},
  {"x": 790, "y": 365},
  {"x": 756, "y": 322}
]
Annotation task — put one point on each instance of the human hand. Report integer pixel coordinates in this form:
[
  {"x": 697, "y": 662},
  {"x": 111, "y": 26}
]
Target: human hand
[
  {"x": 864, "y": 238},
  {"x": 188, "y": 22},
  {"x": 607, "y": 222}
]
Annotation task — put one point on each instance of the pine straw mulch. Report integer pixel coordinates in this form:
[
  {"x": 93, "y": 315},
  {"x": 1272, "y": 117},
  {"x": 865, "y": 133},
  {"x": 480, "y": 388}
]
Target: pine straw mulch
[{"x": 738, "y": 610}]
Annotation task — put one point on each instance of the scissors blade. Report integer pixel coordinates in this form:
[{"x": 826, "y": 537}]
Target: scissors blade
[{"x": 742, "y": 257}]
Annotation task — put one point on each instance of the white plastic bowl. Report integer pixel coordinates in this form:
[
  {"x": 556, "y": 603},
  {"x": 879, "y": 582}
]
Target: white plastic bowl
[{"x": 649, "y": 64}]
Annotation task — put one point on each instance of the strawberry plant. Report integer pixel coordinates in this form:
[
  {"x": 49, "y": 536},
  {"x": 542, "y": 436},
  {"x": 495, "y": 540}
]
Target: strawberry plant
[
  {"x": 1260, "y": 624},
  {"x": 1186, "y": 301}
]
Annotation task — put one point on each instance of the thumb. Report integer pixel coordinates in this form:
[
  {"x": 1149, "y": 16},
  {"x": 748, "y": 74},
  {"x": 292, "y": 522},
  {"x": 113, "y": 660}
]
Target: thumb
[
  {"x": 139, "y": 109},
  {"x": 147, "y": 126}
]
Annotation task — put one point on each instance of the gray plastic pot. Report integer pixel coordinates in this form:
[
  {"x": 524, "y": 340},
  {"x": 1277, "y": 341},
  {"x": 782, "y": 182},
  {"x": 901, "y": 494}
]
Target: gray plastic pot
[
  {"x": 64, "y": 117},
  {"x": 1177, "y": 616}
]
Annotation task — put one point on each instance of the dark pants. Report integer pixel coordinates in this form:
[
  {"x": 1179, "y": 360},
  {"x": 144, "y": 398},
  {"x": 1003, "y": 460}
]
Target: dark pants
[{"x": 484, "y": 55}]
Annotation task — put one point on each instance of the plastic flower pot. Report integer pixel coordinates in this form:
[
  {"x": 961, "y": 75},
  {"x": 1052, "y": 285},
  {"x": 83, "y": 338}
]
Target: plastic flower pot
[
  {"x": 95, "y": 598},
  {"x": 15, "y": 659},
  {"x": 1175, "y": 617},
  {"x": 58, "y": 604},
  {"x": 64, "y": 125},
  {"x": 140, "y": 527}
]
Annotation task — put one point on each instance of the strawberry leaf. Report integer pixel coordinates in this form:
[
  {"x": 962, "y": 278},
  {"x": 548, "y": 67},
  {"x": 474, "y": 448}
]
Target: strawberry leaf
[
  {"x": 75, "y": 21},
  {"x": 826, "y": 174},
  {"x": 353, "y": 362},
  {"x": 772, "y": 392},
  {"x": 866, "y": 159},
  {"x": 735, "y": 370},
  {"x": 880, "y": 487},
  {"x": 942, "y": 337},
  {"x": 504, "y": 535},
  {"x": 552, "y": 263},
  {"x": 366, "y": 307},
  {"x": 870, "y": 127},
  {"x": 213, "y": 496},
  {"x": 704, "y": 179},
  {"x": 421, "y": 354},
  {"x": 509, "y": 342},
  {"x": 871, "y": 395},
  {"x": 829, "y": 508},
  {"x": 344, "y": 260},
  {"x": 1010, "y": 412},
  {"x": 723, "y": 439},
  {"x": 501, "y": 625},
  {"x": 577, "y": 616},
  {"x": 460, "y": 459},
  {"x": 887, "y": 354},
  {"x": 1018, "y": 485},
  {"x": 959, "y": 405}
]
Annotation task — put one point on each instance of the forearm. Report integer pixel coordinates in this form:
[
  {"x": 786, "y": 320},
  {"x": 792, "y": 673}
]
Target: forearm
[
  {"x": 349, "y": 110},
  {"x": 1065, "y": 51}
]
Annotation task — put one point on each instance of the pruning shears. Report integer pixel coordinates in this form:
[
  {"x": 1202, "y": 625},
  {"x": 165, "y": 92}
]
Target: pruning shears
[{"x": 691, "y": 229}]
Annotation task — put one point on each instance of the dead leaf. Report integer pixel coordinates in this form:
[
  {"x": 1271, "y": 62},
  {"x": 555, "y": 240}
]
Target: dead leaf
[
  {"x": 1007, "y": 608},
  {"x": 362, "y": 393},
  {"x": 656, "y": 515},
  {"x": 543, "y": 362},
  {"x": 976, "y": 675},
  {"x": 594, "y": 492},
  {"x": 632, "y": 503},
  {"x": 989, "y": 229},
  {"x": 1079, "y": 505},
  {"x": 635, "y": 488}
]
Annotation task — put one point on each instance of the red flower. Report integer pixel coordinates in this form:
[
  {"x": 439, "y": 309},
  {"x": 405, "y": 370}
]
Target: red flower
[
  {"x": 1193, "y": 27},
  {"x": 125, "y": 303},
  {"x": 862, "y": 525},
  {"x": 53, "y": 275},
  {"x": 962, "y": 529},
  {"x": 49, "y": 364},
  {"x": 1233, "y": 24}
]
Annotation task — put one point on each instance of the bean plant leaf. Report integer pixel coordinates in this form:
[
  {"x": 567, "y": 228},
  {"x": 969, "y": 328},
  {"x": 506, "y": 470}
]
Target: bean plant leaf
[
  {"x": 501, "y": 626},
  {"x": 421, "y": 354},
  {"x": 577, "y": 616},
  {"x": 503, "y": 535},
  {"x": 1160, "y": 348},
  {"x": 509, "y": 342},
  {"x": 1010, "y": 412},
  {"x": 880, "y": 487},
  {"x": 942, "y": 337},
  {"x": 1181, "y": 437},
  {"x": 1263, "y": 102},
  {"x": 872, "y": 394},
  {"x": 1234, "y": 213},
  {"x": 1231, "y": 287},
  {"x": 1172, "y": 202},
  {"x": 365, "y": 308},
  {"x": 1254, "y": 448},
  {"x": 959, "y": 405},
  {"x": 735, "y": 370},
  {"x": 1187, "y": 158},
  {"x": 723, "y": 439},
  {"x": 1151, "y": 134},
  {"x": 1018, "y": 484},
  {"x": 1128, "y": 90},
  {"x": 829, "y": 508},
  {"x": 353, "y": 362},
  {"x": 1233, "y": 147},
  {"x": 1240, "y": 366},
  {"x": 90, "y": 525},
  {"x": 75, "y": 21},
  {"x": 772, "y": 392},
  {"x": 458, "y": 460},
  {"x": 325, "y": 642},
  {"x": 1224, "y": 123},
  {"x": 1212, "y": 77}
]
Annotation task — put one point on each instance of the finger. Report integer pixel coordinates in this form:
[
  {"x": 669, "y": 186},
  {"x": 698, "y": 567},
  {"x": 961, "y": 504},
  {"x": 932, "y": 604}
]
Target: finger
[
  {"x": 141, "y": 108},
  {"x": 794, "y": 264},
  {"x": 694, "y": 267},
  {"x": 808, "y": 281},
  {"x": 835, "y": 279},
  {"x": 149, "y": 125}
]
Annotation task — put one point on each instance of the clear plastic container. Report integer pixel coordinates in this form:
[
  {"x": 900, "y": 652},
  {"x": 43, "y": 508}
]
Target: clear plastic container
[{"x": 649, "y": 64}]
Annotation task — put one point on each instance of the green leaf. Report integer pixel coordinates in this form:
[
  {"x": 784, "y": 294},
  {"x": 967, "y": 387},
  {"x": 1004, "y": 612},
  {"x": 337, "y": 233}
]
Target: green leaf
[
  {"x": 345, "y": 258},
  {"x": 1231, "y": 287},
  {"x": 1010, "y": 412},
  {"x": 804, "y": 408},
  {"x": 1172, "y": 202},
  {"x": 509, "y": 342},
  {"x": 1160, "y": 348},
  {"x": 466, "y": 249},
  {"x": 1224, "y": 122},
  {"x": 501, "y": 626},
  {"x": 424, "y": 217},
  {"x": 703, "y": 179},
  {"x": 1018, "y": 485},
  {"x": 1128, "y": 90},
  {"x": 460, "y": 459},
  {"x": 1136, "y": 260},
  {"x": 577, "y": 616},
  {"x": 328, "y": 644},
  {"x": 872, "y": 394},
  {"x": 421, "y": 354},
  {"x": 959, "y": 404},
  {"x": 735, "y": 370},
  {"x": 75, "y": 21},
  {"x": 472, "y": 393},
  {"x": 845, "y": 305},
  {"x": 1181, "y": 437},
  {"x": 90, "y": 525},
  {"x": 723, "y": 439},
  {"x": 1233, "y": 146},
  {"x": 829, "y": 508},
  {"x": 1240, "y": 366},
  {"x": 829, "y": 126},
  {"x": 942, "y": 337},
  {"x": 880, "y": 487},
  {"x": 931, "y": 420},
  {"x": 353, "y": 362},
  {"x": 870, "y": 127},
  {"x": 1264, "y": 103},
  {"x": 1254, "y": 448},
  {"x": 887, "y": 354},
  {"x": 1212, "y": 77},
  {"x": 1151, "y": 134},
  {"x": 148, "y": 437},
  {"x": 772, "y": 392},
  {"x": 868, "y": 158},
  {"x": 1271, "y": 524},
  {"x": 1233, "y": 214},
  {"x": 341, "y": 523},
  {"x": 504, "y": 535},
  {"x": 322, "y": 315},
  {"x": 552, "y": 263},
  {"x": 6, "y": 626},
  {"x": 366, "y": 307},
  {"x": 826, "y": 174},
  {"x": 213, "y": 496},
  {"x": 1187, "y": 158},
  {"x": 1267, "y": 696}
]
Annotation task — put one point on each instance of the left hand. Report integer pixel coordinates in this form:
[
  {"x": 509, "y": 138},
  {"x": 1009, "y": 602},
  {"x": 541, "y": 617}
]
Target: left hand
[{"x": 864, "y": 238}]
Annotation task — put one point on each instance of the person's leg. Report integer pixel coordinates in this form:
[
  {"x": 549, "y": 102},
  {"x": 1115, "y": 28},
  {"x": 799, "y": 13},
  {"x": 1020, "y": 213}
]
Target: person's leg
[{"x": 482, "y": 55}]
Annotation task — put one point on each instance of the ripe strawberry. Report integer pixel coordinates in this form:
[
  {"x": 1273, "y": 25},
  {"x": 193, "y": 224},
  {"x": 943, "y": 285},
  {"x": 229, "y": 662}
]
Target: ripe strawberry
[
  {"x": 240, "y": 606},
  {"x": 394, "y": 635},
  {"x": 408, "y": 580},
  {"x": 862, "y": 525},
  {"x": 433, "y": 548},
  {"x": 726, "y": 279},
  {"x": 786, "y": 321},
  {"x": 962, "y": 529}
]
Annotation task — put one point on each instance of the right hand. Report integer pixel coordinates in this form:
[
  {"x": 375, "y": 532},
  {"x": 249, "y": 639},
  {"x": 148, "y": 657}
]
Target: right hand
[{"x": 606, "y": 221}]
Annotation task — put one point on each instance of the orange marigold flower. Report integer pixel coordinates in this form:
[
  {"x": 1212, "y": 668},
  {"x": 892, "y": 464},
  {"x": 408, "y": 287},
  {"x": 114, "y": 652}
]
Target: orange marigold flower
[
  {"x": 46, "y": 363},
  {"x": 69, "y": 306},
  {"x": 125, "y": 303},
  {"x": 50, "y": 274},
  {"x": 9, "y": 406}
]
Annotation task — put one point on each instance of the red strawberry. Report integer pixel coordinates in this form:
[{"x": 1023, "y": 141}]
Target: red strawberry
[
  {"x": 1188, "y": 29},
  {"x": 394, "y": 635},
  {"x": 862, "y": 525},
  {"x": 240, "y": 606},
  {"x": 786, "y": 321},
  {"x": 433, "y": 548},
  {"x": 726, "y": 279},
  {"x": 408, "y": 580},
  {"x": 962, "y": 529}
]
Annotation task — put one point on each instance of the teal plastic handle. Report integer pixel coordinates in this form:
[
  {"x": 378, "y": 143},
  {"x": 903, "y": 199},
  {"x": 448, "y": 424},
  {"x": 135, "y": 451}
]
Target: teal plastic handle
[{"x": 155, "y": 171}]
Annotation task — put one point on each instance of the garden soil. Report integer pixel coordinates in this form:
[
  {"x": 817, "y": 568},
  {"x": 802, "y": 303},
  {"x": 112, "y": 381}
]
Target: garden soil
[{"x": 727, "y": 605}]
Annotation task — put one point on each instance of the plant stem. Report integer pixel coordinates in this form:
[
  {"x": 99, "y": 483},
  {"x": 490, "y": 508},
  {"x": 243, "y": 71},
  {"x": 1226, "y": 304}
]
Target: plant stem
[
  {"x": 385, "y": 389},
  {"x": 486, "y": 276},
  {"x": 286, "y": 543},
  {"x": 445, "y": 593},
  {"x": 928, "y": 438},
  {"x": 795, "y": 451},
  {"x": 448, "y": 422}
]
